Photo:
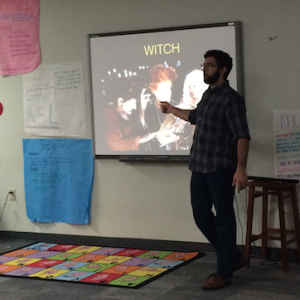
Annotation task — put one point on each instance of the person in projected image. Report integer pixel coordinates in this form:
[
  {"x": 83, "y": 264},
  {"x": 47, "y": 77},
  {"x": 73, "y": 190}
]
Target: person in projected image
[
  {"x": 123, "y": 131},
  {"x": 218, "y": 160},
  {"x": 193, "y": 89},
  {"x": 162, "y": 77}
]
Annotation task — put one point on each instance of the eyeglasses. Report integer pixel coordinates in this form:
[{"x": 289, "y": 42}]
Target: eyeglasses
[{"x": 208, "y": 66}]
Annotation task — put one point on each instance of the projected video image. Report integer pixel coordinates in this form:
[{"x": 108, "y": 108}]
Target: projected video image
[
  {"x": 132, "y": 73},
  {"x": 133, "y": 120}
]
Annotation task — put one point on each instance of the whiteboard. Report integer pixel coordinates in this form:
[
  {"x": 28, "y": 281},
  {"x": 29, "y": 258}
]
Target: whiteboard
[{"x": 129, "y": 57}]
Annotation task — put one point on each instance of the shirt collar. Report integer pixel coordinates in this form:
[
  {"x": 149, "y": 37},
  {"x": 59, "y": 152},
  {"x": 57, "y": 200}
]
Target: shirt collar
[{"x": 218, "y": 87}]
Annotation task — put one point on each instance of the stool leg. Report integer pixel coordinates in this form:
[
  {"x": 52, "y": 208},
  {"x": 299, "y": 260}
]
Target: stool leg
[
  {"x": 296, "y": 218},
  {"x": 249, "y": 223},
  {"x": 264, "y": 223},
  {"x": 285, "y": 265}
]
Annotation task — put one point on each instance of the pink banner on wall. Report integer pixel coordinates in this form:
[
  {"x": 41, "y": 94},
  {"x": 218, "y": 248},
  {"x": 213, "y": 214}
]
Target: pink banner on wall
[{"x": 19, "y": 36}]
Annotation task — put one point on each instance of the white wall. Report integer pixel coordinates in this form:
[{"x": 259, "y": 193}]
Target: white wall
[{"x": 160, "y": 206}]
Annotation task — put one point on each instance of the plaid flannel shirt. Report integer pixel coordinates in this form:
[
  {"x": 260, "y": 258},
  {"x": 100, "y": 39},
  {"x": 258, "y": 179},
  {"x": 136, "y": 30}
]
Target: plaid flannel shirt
[{"x": 220, "y": 119}]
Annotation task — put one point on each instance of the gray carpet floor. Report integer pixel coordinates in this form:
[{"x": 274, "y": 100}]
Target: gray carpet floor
[{"x": 263, "y": 280}]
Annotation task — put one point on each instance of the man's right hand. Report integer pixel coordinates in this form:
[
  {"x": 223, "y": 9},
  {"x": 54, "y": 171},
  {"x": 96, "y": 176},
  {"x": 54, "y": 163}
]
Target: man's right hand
[{"x": 165, "y": 107}]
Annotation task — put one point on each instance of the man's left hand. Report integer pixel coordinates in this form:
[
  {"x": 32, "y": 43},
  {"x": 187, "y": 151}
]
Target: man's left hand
[{"x": 240, "y": 179}]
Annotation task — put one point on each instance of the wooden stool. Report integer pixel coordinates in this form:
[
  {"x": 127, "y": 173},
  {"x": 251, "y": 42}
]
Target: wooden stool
[{"x": 283, "y": 190}]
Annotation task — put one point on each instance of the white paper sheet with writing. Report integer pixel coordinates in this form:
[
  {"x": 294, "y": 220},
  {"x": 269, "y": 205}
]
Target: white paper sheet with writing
[
  {"x": 287, "y": 143},
  {"x": 54, "y": 101},
  {"x": 287, "y": 147}
]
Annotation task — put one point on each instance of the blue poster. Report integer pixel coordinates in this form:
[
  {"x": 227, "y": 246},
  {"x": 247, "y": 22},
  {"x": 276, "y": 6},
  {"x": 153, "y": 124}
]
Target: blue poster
[{"x": 58, "y": 179}]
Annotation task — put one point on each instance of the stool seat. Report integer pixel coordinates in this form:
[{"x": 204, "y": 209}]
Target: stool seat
[{"x": 282, "y": 190}]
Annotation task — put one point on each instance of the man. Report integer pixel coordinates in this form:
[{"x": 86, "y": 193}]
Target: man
[{"x": 218, "y": 163}]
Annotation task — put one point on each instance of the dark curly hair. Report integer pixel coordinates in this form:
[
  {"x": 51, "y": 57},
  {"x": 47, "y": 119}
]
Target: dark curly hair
[
  {"x": 120, "y": 88},
  {"x": 222, "y": 58}
]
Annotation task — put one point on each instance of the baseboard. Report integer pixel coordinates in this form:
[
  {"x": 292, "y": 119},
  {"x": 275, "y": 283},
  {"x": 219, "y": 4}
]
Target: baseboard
[
  {"x": 272, "y": 253},
  {"x": 111, "y": 242}
]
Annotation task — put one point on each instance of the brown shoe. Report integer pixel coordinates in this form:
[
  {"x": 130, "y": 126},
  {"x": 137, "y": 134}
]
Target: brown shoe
[
  {"x": 214, "y": 282},
  {"x": 241, "y": 263}
]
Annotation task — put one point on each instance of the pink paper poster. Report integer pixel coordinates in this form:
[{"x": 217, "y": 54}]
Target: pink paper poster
[{"x": 19, "y": 36}]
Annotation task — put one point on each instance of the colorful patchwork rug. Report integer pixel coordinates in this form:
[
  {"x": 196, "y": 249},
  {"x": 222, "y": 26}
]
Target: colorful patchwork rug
[{"x": 109, "y": 266}]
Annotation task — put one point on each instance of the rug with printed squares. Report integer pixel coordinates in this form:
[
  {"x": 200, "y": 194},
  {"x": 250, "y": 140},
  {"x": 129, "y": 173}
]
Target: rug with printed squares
[{"x": 109, "y": 266}]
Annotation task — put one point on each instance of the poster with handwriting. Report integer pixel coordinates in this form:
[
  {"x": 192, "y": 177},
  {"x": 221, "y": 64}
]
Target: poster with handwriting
[
  {"x": 287, "y": 143},
  {"x": 54, "y": 101},
  {"x": 19, "y": 36},
  {"x": 58, "y": 176}
]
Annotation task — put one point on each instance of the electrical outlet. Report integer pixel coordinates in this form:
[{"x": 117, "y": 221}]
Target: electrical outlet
[{"x": 12, "y": 194}]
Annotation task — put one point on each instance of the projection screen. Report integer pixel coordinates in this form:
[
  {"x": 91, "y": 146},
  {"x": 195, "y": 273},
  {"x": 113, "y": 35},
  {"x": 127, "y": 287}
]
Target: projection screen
[{"x": 132, "y": 71}]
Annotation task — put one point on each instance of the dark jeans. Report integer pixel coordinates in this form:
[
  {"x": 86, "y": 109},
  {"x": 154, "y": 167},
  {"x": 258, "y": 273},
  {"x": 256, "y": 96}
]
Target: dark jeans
[{"x": 220, "y": 229}]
